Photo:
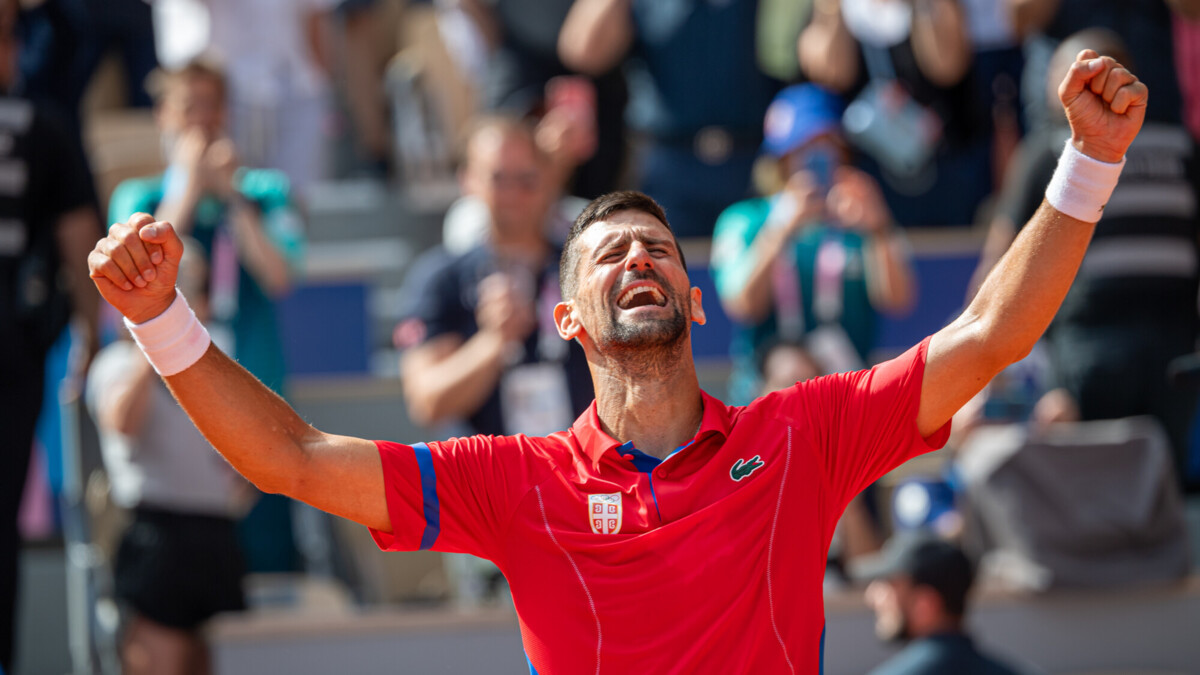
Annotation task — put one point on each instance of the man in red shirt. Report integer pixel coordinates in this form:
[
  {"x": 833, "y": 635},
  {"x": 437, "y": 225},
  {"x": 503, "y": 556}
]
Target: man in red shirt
[{"x": 665, "y": 531}]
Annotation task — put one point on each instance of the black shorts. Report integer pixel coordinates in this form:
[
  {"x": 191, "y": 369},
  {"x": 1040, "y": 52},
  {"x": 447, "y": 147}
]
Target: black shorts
[{"x": 179, "y": 569}]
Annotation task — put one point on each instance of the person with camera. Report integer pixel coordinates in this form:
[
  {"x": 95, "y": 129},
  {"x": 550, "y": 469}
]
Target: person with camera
[{"x": 816, "y": 261}]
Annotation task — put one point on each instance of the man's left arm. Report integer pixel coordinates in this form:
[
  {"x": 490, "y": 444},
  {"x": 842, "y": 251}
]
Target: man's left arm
[{"x": 1105, "y": 106}]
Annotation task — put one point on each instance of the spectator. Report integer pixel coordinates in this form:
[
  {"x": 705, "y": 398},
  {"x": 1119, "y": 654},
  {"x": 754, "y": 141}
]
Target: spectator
[
  {"x": 1132, "y": 308},
  {"x": 565, "y": 141},
  {"x": 918, "y": 589},
  {"x": 905, "y": 65},
  {"x": 696, "y": 92},
  {"x": 178, "y": 563},
  {"x": 481, "y": 344},
  {"x": 245, "y": 221},
  {"x": 819, "y": 259},
  {"x": 520, "y": 42},
  {"x": 278, "y": 63},
  {"x": 47, "y": 226}
]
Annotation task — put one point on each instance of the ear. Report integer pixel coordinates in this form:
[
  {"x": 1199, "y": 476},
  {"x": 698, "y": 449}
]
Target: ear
[
  {"x": 567, "y": 321},
  {"x": 697, "y": 307}
]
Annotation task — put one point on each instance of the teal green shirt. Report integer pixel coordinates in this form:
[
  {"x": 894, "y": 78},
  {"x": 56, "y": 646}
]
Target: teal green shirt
[
  {"x": 255, "y": 327},
  {"x": 733, "y": 261}
]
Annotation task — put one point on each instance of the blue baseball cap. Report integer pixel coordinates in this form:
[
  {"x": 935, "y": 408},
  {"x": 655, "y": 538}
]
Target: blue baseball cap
[{"x": 798, "y": 114}]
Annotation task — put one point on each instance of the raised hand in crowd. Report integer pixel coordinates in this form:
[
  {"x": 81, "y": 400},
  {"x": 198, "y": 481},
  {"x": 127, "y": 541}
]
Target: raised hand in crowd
[{"x": 504, "y": 309}]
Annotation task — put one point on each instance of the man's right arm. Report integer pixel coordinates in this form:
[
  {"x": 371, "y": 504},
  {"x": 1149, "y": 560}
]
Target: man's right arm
[
  {"x": 254, "y": 429},
  {"x": 266, "y": 441}
]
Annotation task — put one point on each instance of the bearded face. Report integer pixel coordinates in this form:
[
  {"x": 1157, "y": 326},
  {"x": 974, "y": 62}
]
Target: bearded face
[{"x": 643, "y": 311}]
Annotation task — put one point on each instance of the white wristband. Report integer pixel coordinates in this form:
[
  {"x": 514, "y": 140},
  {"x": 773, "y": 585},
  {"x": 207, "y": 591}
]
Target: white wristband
[
  {"x": 1081, "y": 185},
  {"x": 173, "y": 340}
]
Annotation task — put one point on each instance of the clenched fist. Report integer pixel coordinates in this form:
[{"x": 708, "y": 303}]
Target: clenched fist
[
  {"x": 1105, "y": 105},
  {"x": 135, "y": 266}
]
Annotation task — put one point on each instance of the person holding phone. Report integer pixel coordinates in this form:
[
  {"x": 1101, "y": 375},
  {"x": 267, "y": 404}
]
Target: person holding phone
[{"x": 817, "y": 260}]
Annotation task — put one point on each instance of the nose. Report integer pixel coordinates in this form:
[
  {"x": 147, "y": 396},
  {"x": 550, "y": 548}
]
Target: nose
[{"x": 638, "y": 258}]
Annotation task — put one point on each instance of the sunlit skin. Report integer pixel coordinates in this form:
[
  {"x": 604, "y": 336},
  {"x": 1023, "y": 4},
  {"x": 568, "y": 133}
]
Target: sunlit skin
[{"x": 652, "y": 396}]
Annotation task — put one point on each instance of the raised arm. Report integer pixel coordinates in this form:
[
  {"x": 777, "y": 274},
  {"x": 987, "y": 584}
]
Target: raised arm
[
  {"x": 255, "y": 430},
  {"x": 1105, "y": 106},
  {"x": 596, "y": 35}
]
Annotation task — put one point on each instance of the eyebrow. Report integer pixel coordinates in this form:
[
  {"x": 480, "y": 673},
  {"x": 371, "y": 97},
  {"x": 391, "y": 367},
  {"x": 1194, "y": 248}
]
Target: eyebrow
[{"x": 623, "y": 237}]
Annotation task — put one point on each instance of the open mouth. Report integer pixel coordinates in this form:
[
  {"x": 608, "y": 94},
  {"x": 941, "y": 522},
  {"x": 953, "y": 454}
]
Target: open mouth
[{"x": 641, "y": 295}]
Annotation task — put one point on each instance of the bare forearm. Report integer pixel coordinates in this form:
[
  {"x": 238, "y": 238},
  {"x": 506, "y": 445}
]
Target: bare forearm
[
  {"x": 1023, "y": 292},
  {"x": 940, "y": 42},
  {"x": 252, "y": 427},
  {"x": 891, "y": 283},
  {"x": 752, "y": 302},
  {"x": 595, "y": 35},
  {"x": 1012, "y": 309},
  {"x": 999, "y": 238},
  {"x": 457, "y": 385},
  {"x": 827, "y": 52},
  {"x": 256, "y": 250}
]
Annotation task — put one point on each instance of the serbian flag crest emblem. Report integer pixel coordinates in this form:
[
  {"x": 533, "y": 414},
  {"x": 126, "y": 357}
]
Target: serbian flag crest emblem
[{"x": 604, "y": 512}]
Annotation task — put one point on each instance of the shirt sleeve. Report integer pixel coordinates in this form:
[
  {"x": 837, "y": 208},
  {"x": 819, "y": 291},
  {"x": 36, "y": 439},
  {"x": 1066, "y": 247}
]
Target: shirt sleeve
[
  {"x": 451, "y": 496},
  {"x": 863, "y": 424},
  {"x": 432, "y": 299}
]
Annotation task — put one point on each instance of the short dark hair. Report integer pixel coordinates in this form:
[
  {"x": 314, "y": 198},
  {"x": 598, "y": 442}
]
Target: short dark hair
[{"x": 600, "y": 208}]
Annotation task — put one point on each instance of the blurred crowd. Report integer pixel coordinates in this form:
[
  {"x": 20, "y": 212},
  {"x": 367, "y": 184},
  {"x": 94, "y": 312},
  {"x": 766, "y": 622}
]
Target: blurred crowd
[{"x": 802, "y": 146}]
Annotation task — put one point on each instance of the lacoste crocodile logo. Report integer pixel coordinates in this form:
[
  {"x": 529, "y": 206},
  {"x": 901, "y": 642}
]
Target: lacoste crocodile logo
[{"x": 743, "y": 467}]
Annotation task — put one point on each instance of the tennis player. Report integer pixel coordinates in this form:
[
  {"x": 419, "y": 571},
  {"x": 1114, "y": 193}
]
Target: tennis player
[{"x": 664, "y": 531}]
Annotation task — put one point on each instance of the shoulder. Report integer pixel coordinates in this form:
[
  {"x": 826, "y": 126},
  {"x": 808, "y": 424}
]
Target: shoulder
[{"x": 267, "y": 187}]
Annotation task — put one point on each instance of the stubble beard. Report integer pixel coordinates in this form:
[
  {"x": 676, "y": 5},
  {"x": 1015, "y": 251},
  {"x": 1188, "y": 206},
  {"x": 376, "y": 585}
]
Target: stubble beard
[{"x": 646, "y": 342}]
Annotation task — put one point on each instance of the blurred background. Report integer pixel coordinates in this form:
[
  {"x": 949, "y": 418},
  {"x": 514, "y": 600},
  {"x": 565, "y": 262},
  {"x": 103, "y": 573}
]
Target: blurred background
[{"x": 368, "y": 185}]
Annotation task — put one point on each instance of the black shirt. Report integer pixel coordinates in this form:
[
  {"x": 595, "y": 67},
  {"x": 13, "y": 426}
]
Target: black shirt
[
  {"x": 42, "y": 177},
  {"x": 441, "y": 293}
]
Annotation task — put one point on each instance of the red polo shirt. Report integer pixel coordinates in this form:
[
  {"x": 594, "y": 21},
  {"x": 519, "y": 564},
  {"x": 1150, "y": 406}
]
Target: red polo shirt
[{"x": 710, "y": 562}]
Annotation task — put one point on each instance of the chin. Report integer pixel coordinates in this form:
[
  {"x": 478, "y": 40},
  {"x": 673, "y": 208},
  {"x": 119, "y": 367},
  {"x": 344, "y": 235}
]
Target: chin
[{"x": 646, "y": 333}]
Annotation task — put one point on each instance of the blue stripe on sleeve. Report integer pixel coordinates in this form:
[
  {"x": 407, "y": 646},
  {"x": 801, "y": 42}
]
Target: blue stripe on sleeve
[
  {"x": 821, "y": 658},
  {"x": 433, "y": 512}
]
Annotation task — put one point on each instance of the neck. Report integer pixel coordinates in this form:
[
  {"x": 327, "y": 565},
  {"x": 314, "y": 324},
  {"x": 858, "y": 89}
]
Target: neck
[{"x": 653, "y": 400}]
